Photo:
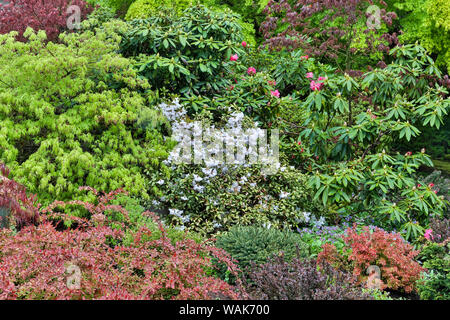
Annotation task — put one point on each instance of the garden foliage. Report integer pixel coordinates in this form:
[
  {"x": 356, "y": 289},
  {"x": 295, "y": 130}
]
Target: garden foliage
[
  {"x": 69, "y": 115},
  {"x": 51, "y": 16}
]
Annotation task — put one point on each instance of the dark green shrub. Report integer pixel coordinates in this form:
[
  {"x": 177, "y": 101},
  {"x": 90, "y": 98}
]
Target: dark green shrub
[
  {"x": 257, "y": 244},
  {"x": 436, "y": 282}
]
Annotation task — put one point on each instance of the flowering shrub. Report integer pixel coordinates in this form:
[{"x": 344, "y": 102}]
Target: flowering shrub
[
  {"x": 15, "y": 205},
  {"x": 389, "y": 251},
  {"x": 279, "y": 279},
  {"x": 50, "y": 16},
  {"x": 213, "y": 196},
  {"x": 358, "y": 167}
]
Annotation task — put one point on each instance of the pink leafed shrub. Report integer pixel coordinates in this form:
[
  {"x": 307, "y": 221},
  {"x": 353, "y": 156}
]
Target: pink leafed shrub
[
  {"x": 51, "y": 16},
  {"x": 34, "y": 264},
  {"x": 40, "y": 262}
]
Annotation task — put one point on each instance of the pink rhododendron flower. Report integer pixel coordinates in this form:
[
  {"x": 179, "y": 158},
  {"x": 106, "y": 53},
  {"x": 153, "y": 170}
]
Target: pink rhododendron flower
[
  {"x": 244, "y": 44},
  {"x": 431, "y": 185},
  {"x": 251, "y": 71},
  {"x": 309, "y": 75},
  {"x": 234, "y": 57},
  {"x": 304, "y": 57},
  {"x": 321, "y": 78},
  {"x": 275, "y": 93},
  {"x": 427, "y": 234},
  {"x": 315, "y": 85}
]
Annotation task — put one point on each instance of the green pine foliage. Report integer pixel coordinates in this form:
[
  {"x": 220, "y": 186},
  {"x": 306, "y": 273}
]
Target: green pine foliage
[{"x": 256, "y": 244}]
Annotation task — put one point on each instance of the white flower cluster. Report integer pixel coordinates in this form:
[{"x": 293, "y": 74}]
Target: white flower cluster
[
  {"x": 214, "y": 147},
  {"x": 317, "y": 223},
  {"x": 179, "y": 214}
]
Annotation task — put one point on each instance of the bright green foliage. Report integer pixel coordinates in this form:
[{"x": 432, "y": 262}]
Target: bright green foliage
[
  {"x": 258, "y": 244},
  {"x": 427, "y": 21},
  {"x": 250, "y": 10},
  {"x": 436, "y": 283},
  {"x": 187, "y": 54},
  {"x": 141, "y": 9},
  {"x": 118, "y": 6},
  {"x": 69, "y": 112}
]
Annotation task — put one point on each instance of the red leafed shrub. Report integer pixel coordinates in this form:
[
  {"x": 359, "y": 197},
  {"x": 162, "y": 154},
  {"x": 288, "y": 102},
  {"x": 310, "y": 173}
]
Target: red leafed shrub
[
  {"x": 51, "y": 16},
  {"x": 43, "y": 263},
  {"x": 389, "y": 251},
  {"x": 326, "y": 28},
  {"x": 15, "y": 206}
]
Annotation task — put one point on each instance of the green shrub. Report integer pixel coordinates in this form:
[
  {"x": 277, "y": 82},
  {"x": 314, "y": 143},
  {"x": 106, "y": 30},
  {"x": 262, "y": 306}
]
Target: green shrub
[
  {"x": 69, "y": 116},
  {"x": 257, "y": 244},
  {"x": 436, "y": 282},
  {"x": 426, "y": 21},
  {"x": 142, "y": 9},
  {"x": 184, "y": 54}
]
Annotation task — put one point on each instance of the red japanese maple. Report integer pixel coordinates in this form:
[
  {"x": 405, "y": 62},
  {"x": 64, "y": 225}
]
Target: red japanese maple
[{"x": 51, "y": 16}]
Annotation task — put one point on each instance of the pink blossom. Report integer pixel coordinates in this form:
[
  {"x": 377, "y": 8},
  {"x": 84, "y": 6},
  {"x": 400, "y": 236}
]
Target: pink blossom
[
  {"x": 304, "y": 57},
  {"x": 321, "y": 78},
  {"x": 275, "y": 93},
  {"x": 428, "y": 234},
  {"x": 234, "y": 57},
  {"x": 251, "y": 71},
  {"x": 244, "y": 44},
  {"x": 309, "y": 75},
  {"x": 315, "y": 85}
]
